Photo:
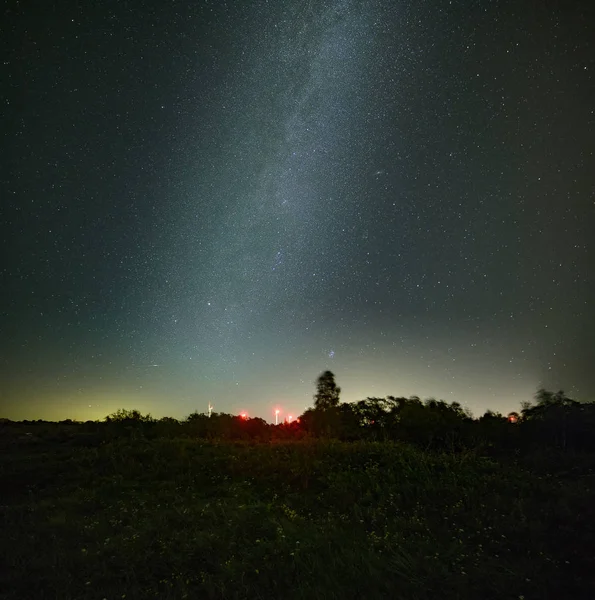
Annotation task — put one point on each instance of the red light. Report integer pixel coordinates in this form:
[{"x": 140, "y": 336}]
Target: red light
[
  {"x": 244, "y": 415},
  {"x": 289, "y": 418}
]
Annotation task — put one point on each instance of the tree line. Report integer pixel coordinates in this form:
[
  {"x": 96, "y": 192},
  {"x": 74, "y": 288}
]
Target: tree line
[{"x": 552, "y": 420}]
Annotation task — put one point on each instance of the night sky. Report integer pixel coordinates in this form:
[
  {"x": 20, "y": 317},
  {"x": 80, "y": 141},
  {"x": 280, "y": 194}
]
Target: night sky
[{"x": 217, "y": 201}]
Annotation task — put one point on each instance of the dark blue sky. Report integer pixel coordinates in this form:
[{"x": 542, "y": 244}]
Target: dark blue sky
[{"x": 210, "y": 201}]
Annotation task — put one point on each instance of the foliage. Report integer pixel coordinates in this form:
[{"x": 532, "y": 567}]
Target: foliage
[
  {"x": 554, "y": 421},
  {"x": 327, "y": 392},
  {"x": 128, "y": 416},
  {"x": 352, "y": 500},
  {"x": 186, "y": 518}
]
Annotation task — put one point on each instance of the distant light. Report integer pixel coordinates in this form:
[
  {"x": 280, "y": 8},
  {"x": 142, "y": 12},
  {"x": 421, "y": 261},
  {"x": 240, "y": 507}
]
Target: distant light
[
  {"x": 244, "y": 415},
  {"x": 289, "y": 418}
]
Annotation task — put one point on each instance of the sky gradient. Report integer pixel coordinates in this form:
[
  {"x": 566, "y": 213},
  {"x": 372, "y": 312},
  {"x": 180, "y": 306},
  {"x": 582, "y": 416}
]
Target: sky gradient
[{"x": 217, "y": 201}]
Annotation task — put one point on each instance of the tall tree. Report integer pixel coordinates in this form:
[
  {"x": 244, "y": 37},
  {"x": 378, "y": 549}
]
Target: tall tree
[{"x": 327, "y": 392}]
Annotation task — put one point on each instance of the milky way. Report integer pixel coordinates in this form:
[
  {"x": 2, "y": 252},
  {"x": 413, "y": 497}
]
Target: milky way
[
  {"x": 278, "y": 238},
  {"x": 217, "y": 202}
]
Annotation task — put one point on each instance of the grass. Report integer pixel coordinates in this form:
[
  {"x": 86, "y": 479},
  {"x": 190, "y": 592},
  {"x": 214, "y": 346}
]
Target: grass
[{"x": 182, "y": 518}]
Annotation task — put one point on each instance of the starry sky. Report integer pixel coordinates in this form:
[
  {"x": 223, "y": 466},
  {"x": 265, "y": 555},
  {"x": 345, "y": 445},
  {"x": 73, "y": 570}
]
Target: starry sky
[{"x": 216, "y": 201}]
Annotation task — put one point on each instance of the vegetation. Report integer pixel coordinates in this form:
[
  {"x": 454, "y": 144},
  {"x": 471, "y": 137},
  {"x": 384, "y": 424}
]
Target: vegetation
[
  {"x": 327, "y": 392},
  {"x": 384, "y": 498}
]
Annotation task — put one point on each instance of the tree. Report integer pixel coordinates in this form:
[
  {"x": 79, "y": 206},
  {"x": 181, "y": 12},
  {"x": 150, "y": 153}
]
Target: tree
[
  {"x": 123, "y": 415},
  {"x": 553, "y": 417},
  {"x": 327, "y": 392},
  {"x": 376, "y": 416}
]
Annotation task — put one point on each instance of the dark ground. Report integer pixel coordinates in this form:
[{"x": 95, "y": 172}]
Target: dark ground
[{"x": 89, "y": 518}]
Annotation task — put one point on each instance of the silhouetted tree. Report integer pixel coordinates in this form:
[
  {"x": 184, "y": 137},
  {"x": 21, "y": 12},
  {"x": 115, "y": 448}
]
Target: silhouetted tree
[
  {"x": 325, "y": 419},
  {"x": 376, "y": 416},
  {"x": 327, "y": 392},
  {"x": 551, "y": 418},
  {"x": 123, "y": 415}
]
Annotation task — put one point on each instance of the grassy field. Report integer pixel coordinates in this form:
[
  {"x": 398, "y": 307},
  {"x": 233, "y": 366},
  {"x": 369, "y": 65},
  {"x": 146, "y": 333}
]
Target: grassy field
[{"x": 181, "y": 518}]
